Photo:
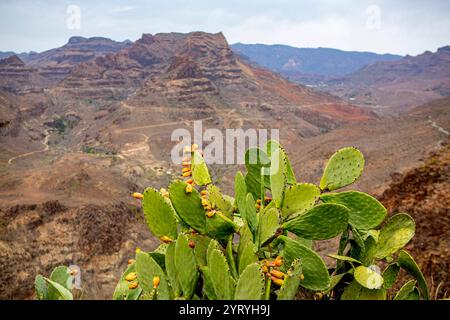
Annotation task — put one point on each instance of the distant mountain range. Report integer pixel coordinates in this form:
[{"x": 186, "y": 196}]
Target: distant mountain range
[{"x": 317, "y": 61}]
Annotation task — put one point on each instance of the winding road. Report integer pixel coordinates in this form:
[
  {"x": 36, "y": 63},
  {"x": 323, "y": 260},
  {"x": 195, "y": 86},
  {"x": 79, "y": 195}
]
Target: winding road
[{"x": 27, "y": 154}]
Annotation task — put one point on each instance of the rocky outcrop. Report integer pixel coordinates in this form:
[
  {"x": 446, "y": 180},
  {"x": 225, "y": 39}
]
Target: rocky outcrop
[{"x": 17, "y": 77}]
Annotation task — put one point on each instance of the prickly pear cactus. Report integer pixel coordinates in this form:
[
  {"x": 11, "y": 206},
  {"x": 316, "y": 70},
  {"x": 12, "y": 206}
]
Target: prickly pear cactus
[{"x": 260, "y": 244}]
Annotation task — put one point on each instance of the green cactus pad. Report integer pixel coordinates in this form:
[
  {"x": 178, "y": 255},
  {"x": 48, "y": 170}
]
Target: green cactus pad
[
  {"x": 146, "y": 269},
  {"x": 354, "y": 291},
  {"x": 314, "y": 268},
  {"x": 208, "y": 286},
  {"x": 269, "y": 222},
  {"x": 122, "y": 291},
  {"x": 255, "y": 159},
  {"x": 186, "y": 266},
  {"x": 172, "y": 271},
  {"x": 159, "y": 214},
  {"x": 278, "y": 178},
  {"x": 219, "y": 201},
  {"x": 299, "y": 198},
  {"x": 200, "y": 172},
  {"x": 230, "y": 257},
  {"x": 221, "y": 278},
  {"x": 344, "y": 258},
  {"x": 248, "y": 212},
  {"x": 250, "y": 285},
  {"x": 273, "y": 145},
  {"x": 240, "y": 191},
  {"x": 188, "y": 205},
  {"x": 41, "y": 288},
  {"x": 397, "y": 232},
  {"x": 291, "y": 282},
  {"x": 219, "y": 226},
  {"x": 59, "y": 291},
  {"x": 246, "y": 253},
  {"x": 390, "y": 275},
  {"x": 200, "y": 250},
  {"x": 62, "y": 276},
  {"x": 407, "y": 291},
  {"x": 368, "y": 278},
  {"x": 343, "y": 168},
  {"x": 324, "y": 221},
  {"x": 407, "y": 262},
  {"x": 366, "y": 212}
]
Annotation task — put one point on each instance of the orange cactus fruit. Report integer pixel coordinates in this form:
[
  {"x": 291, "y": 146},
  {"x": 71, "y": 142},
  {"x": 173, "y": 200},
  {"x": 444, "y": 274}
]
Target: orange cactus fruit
[
  {"x": 187, "y": 174},
  {"x": 185, "y": 170},
  {"x": 258, "y": 201},
  {"x": 278, "y": 261},
  {"x": 156, "y": 281},
  {"x": 204, "y": 192},
  {"x": 131, "y": 261},
  {"x": 138, "y": 195},
  {"x": 278, "y": 282},
  {"x": 191, "y": 244},
  {"x": 278, "y": 274},
  {"x": 165, "y": 239},
  {"x": 131, "y": 276},
  {"x": 133, "y": 285},
  {"x": 189, "y": 188},
  {"x": 211, "y": 213},
  {"x": 190, "y": 181}
]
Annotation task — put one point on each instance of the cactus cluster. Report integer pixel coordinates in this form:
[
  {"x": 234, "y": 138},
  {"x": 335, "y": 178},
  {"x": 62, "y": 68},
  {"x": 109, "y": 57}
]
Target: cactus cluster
[{"x": 259, "y": 244}]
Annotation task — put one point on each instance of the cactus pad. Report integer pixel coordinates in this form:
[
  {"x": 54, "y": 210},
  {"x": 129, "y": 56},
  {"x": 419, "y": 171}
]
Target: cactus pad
[
  {"x": 299, "y": 198},
  {"x": 272, "y": 145},
  {"x": 314, "y": 268},
  {"x": 218, "y": 200},
  {"x": 269, "y": 222},
  {"x": 122, "y": 291},
  {"x": 407, "y": 262},
  {"x": 220, "y": 275},
  {"x": 291, "y": 282},
  {"x": 159, "y": 214},
  {"x": 188, "y": 205},
  {"x": 324, "y": 221},
  {"x": 200, "y": 172},
  {"x": 343, "y": 168},
  {"x": 172, "y": 271},
  {"x": 250, "y": 285},
  {"x": 397, "y": 232},
  {"x": 59, "y": 291},
  {"x": 255, "y": 159},
  {"x": 390, "y": 275},
  {"x": 186, "y": 265},
  {"x": 407, "y": 292},
  {"x": 146, "y": 269},
  {"x": 278, "y": 178},
  {"x": 354, "y": 291},
  {"x": 368, "y": 278},
  {"x": 366, "y": 212}
]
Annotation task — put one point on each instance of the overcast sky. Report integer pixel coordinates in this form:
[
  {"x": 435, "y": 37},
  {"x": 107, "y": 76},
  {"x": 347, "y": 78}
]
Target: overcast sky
[{"x": 400, "y": 26}]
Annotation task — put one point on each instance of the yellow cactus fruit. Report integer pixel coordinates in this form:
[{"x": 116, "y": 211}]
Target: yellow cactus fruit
[
  {"x": 165, "y": 239},
  {"x": 278, "y": 261},
  {"x": 204, "y": 202},
  {"x": 189, "y": 188},
  {"x": 131, "y": 276},
  {"x": 138, "y": 250},
  {"x": 278, "y": 282},
  {"x": 187, "y": 174},
  {"x": 185, "y": 170},
  {"x": 194, "y": 147},
  {"x": 302, "y": 277},
  {"x": 133, "y": 285},
  {"x": 211, "y": 213},
  {"x": 318, "y": 296},
  {"x": 258, "y": 201},
  {"x": 156, "y": 281},
  {"x": 203, "y": 192},
  {"x": 277, "y": 274},
  {"x": 138, "y": 195},
  {"x": 264, "y": 269}
]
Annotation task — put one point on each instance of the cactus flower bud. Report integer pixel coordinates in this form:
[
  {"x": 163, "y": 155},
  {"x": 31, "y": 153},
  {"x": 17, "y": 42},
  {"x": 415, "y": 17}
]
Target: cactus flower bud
[
  {"x": 187, "y": 174},
  {"x": 203, "y": 192},
  {"x": 190, "y": 181},
  {"x": 258, "y": 201},
  {"x": 257, "y": 206},
  {"x": 189, "y": 188},
  {"x": 302, "y": 277},
  {"x": 138, "y": 250},
  {"x": 277, "y": 274},
  {"x": 191, "y": 244},
  {"x": 131, "y": 276},
  {"x": 138, "y": 195},
  {"x": 185, "y": 170},
  {"x": 264, "y": 269},
  {"x": 211, "y": 213},
  {"x": 165, "y": 239},
  {"x": 278, "y": 282},
  {"x": 204, "y": 202},
  {"x": 156, "y": 281},
  {"x": 133, "y": 285},
  {"x": 131, "y": 261}
]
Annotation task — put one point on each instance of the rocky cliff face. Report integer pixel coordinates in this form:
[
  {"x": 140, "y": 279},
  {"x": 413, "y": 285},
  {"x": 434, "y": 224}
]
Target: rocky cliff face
[{"x": 16, "y": 77}]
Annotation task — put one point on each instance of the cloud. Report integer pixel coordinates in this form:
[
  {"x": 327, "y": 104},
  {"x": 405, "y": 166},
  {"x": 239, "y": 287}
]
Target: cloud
[{"x": 405, "y": 27}]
